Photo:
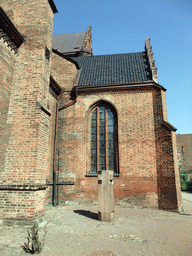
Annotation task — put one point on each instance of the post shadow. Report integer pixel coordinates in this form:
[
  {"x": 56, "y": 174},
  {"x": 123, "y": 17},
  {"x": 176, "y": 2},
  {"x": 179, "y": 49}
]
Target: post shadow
[{"x": 88, "y": 214}]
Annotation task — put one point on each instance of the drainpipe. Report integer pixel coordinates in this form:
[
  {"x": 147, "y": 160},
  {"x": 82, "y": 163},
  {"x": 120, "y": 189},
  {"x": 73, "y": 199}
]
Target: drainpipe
[
  {"x": 54, "y": 202},
  {"x": 73, "y": 101},
  {"x": 55, "y": 144}
]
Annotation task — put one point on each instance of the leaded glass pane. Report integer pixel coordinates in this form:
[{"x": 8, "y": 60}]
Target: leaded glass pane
[
  {"x": 93, "y": 144},
  {"x": 94, "y": 115},
  {"x": 110, "y": 114},
  {"x": 102, "y": 136},
  {"x": 102, "y": 129},
  {"x": 102, "y": 160},
  {"x": 111, "y": 159},
  {"x": 102, "y": 167},
  {"x": 93, "y": 122},
  {"x": 93, "y": 152},
  {"x": 110, "y": 121},
  {"x": 111, "y": 152},
  {"x": 93, "y": 159},
  {"x": 93, "y": 129},
  {"x": 110, "y": 136},
  {"x": 102, "y": 115},
  {"x": 102, "y": 122},
  {"x": 111, "y": 167},
  {"x": 110, "y": 128},
  {"x": 93, "y": 136},
  {"x": 102, "y": 151},
  {"x": 110, "y": 143},
  {"x": 101, "y": 109},
  {"x": 102, "y": 144},
  {"x": 93, "y": 168}
]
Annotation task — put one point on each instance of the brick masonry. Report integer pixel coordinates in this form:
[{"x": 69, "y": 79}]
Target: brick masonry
[
  {"x": 142, "y": 144},
  {"x": 7, "y": 60},
  {"x": 27, "y": 125},
  {"x": 147, "y": 153}
]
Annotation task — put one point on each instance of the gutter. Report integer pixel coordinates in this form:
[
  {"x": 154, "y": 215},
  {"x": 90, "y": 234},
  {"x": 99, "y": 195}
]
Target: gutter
[{"x": 127, "y": 86}]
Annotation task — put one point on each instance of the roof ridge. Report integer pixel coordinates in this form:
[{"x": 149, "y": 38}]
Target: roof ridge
[{"x": 110, "y": 54}]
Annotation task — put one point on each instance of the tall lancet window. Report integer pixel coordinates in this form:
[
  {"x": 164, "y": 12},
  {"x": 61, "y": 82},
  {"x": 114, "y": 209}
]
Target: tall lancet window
[{"x": 103, "y": 140}]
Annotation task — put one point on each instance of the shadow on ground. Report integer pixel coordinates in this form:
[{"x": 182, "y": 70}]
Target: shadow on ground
[
  {"x": 187, "y": 191},
  {"x": 91, "y": 215}
]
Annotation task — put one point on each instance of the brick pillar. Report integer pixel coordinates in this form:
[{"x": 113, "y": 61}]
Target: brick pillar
[{"x": 23, "y": 178}]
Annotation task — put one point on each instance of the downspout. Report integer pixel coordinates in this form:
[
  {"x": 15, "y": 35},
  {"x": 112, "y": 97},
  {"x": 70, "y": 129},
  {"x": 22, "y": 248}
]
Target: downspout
[
  {"x": 73, "y": 101},
  {"x": 54, "y": 203}
]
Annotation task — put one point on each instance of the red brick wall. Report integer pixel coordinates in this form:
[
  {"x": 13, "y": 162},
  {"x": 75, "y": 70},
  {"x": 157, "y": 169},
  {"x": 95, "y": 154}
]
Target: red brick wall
[
  {"x": 63, "y": 71},
  {"x": 167, "y": 172},
  {"x": 164, "y": 106},
  {"x": 28, "y": 121},
  {"x": 143, "y": 147},
  {"x": 7, "y": 59},
  {"x": 137, "y": 183},
  {"x": 169, "y": 191},
  {"x": 177, "y": 173}
]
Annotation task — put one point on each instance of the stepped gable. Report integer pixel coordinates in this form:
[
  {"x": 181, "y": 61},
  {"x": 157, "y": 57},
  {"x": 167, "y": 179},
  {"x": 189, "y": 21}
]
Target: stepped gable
[
  {"x": 153, "y": 68},
  {"x": 66, "y": 43},
  {"x": 74, "y": 44},
  {"x": 113, "y": 69}
]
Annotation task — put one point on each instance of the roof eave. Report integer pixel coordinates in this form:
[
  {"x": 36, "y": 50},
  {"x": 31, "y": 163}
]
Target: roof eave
[
  {"x": 135, "y": 85},
  {"x": 10, "y": 29},
  {"x": 54, "y": 86},
  {"x": 67, "y": 58},
  {"x": 169, "y": 126},
  {"x": 53, "y": 7}
]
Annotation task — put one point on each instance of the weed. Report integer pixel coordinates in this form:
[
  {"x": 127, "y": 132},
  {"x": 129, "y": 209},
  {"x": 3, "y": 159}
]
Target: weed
[{"x": 34, "y": 245}]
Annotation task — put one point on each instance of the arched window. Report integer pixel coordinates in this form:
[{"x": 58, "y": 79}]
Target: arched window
[{"x": 103, "y": 139}]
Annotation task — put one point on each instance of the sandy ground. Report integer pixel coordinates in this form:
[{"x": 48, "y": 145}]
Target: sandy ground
[{"x": 75, "y": 230}]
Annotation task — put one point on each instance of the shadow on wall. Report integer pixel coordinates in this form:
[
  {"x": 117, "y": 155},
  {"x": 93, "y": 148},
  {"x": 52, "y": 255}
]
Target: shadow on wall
[{"x": 88, "y": 214}]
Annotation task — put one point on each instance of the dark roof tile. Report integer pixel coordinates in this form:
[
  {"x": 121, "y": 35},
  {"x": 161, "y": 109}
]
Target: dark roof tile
[{"x": 113, "y": 69}]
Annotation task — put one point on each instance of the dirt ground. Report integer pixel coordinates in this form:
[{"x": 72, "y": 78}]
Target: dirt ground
[{"x": 75, "y": 230}]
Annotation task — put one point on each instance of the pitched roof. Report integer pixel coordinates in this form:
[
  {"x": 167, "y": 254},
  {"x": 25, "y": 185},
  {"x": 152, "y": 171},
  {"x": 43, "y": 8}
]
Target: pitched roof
[
  {"x": 113, "y": 69},
  {"x": 68, "y": 42}
]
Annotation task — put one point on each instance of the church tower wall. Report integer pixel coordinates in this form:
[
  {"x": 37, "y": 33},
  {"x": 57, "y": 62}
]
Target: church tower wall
[
  {"x": 7, "y": 61},
  {"x": 23, "y": 178}
]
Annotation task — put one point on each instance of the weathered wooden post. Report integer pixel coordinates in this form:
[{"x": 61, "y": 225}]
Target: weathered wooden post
[{"x": 105, "y": 196}]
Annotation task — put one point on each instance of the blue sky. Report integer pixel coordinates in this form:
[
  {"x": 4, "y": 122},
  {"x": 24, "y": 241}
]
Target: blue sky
[{"x": 122, "y": 26}]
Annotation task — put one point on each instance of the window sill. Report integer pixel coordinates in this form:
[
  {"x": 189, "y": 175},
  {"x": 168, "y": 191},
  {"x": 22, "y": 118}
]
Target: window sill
[{"x": 95, "y": 175}]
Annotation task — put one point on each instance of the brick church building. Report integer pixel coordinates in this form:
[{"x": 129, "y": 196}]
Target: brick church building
[{"x": 65, "y": 114}]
